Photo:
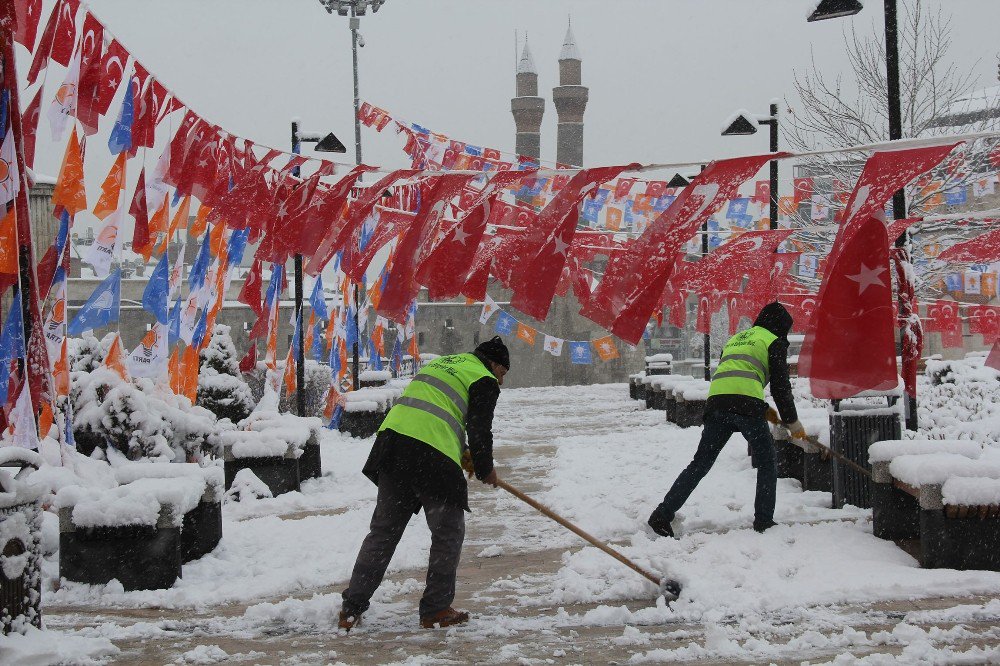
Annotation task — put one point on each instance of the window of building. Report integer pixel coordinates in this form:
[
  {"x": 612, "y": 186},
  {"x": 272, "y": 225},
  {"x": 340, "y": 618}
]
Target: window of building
[{"x": 420, "y": 338}]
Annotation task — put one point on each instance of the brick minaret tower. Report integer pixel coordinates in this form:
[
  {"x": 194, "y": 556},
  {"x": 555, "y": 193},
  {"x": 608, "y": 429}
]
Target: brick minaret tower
[
  {"x": 527, "y": 107},
  {"x": 570, "y": 98}
]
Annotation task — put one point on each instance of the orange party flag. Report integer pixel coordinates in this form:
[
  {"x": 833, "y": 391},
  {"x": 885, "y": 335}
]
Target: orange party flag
[
  {"x": 112, "y": 188},
  {"x": 343, "y": 360},
  {"x": 200, "y": 222},
  {"x": 189, "y": 386},
  {"x": 526, "y": 333},
  {"x": 70, "y": 192},
  {"x": 290, "y": 372},
  {"x": 174, "y": 370},
  {"x": 216, "y": 239},
  {"x": 115, "y": 360},
  {"x": 158, "y": 222},
  {"x": 606, "y": 348},
  {"x": 180, "y": 220},
  {"x": 309, "y": 330},
  {"x": 45, "y": 419},
  {"x": 61, "y": 370},
  {"x": 8, "y": 243}
]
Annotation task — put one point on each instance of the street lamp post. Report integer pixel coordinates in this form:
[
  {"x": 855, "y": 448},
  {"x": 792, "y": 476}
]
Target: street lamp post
[
  {"x": 828, "y": 9},
  {"x": 324, "y": 144},
  {"x": 744, "y": 124},
  {"x": 355, "y": 9}
]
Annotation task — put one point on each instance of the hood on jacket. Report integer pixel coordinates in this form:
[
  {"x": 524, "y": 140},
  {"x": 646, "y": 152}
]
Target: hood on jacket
[{"x": 775, "y": 318}]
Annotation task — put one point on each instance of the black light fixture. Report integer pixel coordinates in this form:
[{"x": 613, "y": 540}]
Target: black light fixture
[
  {"x": 740, "y": 126},
  {"x": 678, "y": 181},
  {"x": 831, "y": 9},
  {"x": 330, "y": 144}
]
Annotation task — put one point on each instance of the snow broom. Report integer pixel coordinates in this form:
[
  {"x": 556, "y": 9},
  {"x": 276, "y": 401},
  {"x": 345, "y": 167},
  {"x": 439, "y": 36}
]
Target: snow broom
[{"x": 669, "y": 588}]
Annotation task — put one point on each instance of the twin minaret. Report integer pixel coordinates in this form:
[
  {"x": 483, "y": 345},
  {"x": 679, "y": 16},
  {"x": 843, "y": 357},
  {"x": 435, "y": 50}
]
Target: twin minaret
[{"x": 570, "y": 98}]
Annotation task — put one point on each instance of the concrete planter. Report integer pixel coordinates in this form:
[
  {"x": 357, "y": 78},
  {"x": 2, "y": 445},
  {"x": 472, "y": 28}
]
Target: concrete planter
[
  {"x": 20, "y": 542},
  {"x": 657, "y": 397},
  {"x": 201, "y": 529},
  {"x": 689, "y": 413},
  {"x": 140, "y": 557},
  {"x": 279, "y": 473},
  {"x": 633, "y": 386},
  {"x": 362, "y": 423}
]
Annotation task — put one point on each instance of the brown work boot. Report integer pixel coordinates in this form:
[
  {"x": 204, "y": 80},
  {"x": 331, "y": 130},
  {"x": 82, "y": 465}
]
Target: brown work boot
[
  {"x": 348, "y": 620},
  {"x": 444, "y": 618}
]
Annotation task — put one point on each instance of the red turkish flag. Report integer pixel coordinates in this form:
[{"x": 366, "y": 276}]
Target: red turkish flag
[
  {"x": 942, "y": 317},
  {"x": 250, "y": 294},
  {"x": 803, "y": 188},
  {"x": 637, "y": 275},
  {"x": 139, "y": 210},
  {"x": 89, "y": 90},
  {"x": 723, "y": 268},
  {"x": 983, "y": 249},
  {"x": 64, "y": 31},
  {"x": 307, "y": 226},
  {"x": 29, "y": 127},
  {"x": 402, "y": 288},
  {"x": 802, "y": 307},
  {"x": 249, "y": 362},
  {"x": 112, "y": 73},
  {"x": 623, "y": 187},
  {"x": 985, "y": 320},
  {"x": 390, "y": 224},
  {"x": 543, "y": 251},
  {"x": 492, "y": 250},
  {"x": 851, "y": 346},
  {"x": 27, "y": 13},
  {"x": 762, "y": 191},
  {"x": 40, "y": 60},
  {"x": 359, "y": 209},
  {"x": 993, "y": 360}
]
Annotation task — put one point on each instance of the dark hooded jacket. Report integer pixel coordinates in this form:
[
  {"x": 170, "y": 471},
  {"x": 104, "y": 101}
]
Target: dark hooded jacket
[{"x": 775, "y": 318}]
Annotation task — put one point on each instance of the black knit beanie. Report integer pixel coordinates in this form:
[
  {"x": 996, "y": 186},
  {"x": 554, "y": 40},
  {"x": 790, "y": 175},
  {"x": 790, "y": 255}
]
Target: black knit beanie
[{"x": 496, "y": 351}]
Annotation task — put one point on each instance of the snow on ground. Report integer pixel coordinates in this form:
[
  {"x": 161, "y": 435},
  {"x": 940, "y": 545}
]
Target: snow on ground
[{"x": 598, "y": 458}]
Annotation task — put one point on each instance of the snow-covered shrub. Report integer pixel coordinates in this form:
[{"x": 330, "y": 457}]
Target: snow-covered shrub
[
  {"x": 221, "y": 389},
  {"x": 964, "y": 405},
  {"x": 247, "y": 486},
  {"x": 316, "y": 384},
  {"x": 86, "y": 353}
]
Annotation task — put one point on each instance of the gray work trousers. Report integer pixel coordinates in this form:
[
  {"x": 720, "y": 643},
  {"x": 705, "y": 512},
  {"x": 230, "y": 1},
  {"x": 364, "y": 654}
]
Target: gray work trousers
[{"x": 396, "y": 503}]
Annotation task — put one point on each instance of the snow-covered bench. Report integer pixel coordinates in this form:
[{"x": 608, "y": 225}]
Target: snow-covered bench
[
  {"x": 131, "y": 533},
  {"x": 659, "y": 364},
  {"x": 944, "y": 492},
  {"x": 365, "y": 409},
  {"x": 201, "y": 528},
  {"x": 374, "y": 378},
  {"x": 690, "y": 398}
]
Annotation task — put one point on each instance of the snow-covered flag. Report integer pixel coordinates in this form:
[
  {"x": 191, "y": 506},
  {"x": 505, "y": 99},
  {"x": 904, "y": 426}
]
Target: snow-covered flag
[
  {"x": 107, "y": 246},
  {"x": 63, "y": 106},
  {"x": 10, "y": 180},
  {"x": 22, "y": 419},
  {"x": 188, "y": 319},
  {"x": 972, "y": 282},
  {"x": 101, "y": 308},
  {"x": 489, "y": 307},
  {"x": 150, "y": 356},
  {"x": 579, "y": 352},
  {"x": 984, "y": 186},
  {"x": 553, "y": 345}
]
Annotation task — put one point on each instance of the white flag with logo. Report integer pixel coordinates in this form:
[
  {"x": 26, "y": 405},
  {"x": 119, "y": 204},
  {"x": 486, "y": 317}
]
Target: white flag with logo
[
  {"x": 150, "y": 357},
  {"x": 63, "y": 106},
  {"x": 107, "y": 246},
  {"x": 553, "y": 345},
  {"x": 984, "y": 186},
  {"x": 22, "y": 417},
  {"x": 189, "y": 318},
  {"x": 489, "y": 307},
  {"x": 973, "y": 282},
  {"x": 10, "y": 180}
]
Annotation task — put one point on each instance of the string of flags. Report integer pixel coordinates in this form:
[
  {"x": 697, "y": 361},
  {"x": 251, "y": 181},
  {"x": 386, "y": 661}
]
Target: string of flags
[{"x": 578, "y": 351}]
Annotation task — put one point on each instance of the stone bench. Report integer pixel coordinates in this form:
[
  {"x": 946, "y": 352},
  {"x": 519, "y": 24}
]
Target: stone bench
[
  {"x": 201, "y": 528},
  {"x": 131, "y": 533},
  {"x": 690, "y": 398},
  {"x": 957, "y": 529},
  {"x": 659, "y": 364}
]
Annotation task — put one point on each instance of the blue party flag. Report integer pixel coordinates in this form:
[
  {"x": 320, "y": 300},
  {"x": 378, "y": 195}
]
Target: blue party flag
[
  {"x": 397, "y": 357},
  {"x": 274, "y": 286},
  {"x": 156, "y": 295},
  {"x": 121, "y": 134},
  {"x": 737, "y": 207},
  {"x": 317, "y": 346},
  {"x": 338, "y": 414},
  {"x": 956, "y": 196},
  {"x": 199, "y": 269},
  {"x": 317, "y": 301},
  {"x": 237, "y": 246},
  {"x": 12, "y": 336},
  {"x": 102, "y": 307},
  {"x": 505, "y": 324},
  {"x": 200, "y": 329},
  {"x": 335, "y": 359},
  {"x": 63, "y": 235},
  {"x": 174, "y": 330},
  {"x": 579, "y": 353}
]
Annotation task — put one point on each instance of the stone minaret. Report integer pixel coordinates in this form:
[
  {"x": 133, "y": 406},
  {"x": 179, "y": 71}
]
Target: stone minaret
[
  {"x": 528, "y": 107},
  {"x": 570, "y": 98}
]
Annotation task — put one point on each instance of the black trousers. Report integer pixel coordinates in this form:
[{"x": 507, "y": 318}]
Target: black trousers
[{"x": 397, "y": 501}]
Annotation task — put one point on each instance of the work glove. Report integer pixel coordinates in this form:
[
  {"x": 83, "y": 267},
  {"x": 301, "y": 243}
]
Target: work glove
[
  {"x": 467, "y": 465},
  {"x": 797, "y": 430},
  {"x": 772, "y": 416}
]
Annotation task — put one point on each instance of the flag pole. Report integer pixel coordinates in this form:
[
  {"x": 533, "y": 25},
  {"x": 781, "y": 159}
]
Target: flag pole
[{"x": 35, "y": 359}]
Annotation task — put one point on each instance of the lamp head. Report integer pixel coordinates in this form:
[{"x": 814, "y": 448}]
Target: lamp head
[
  {"x": 740, "y": 124},
  {"x": 330, "y": 144},
  {"x": 831, "y": 9},
  {"x": 678, "y": 181}
]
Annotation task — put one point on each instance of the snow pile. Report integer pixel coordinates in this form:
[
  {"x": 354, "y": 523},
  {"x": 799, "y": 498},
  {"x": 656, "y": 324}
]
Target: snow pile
[
  {"x": 936, "y": 468},
  {"x": 888, "y": 450},
  {"x": 966, "y": 408},
  {"x": 268, "y": 433},
  {"x": 52, "y": 647},
  {"x": 692, "y": 391},
  {"x": 212, "y": 477},
  {"x": 137, "y": 503},
  {"x": 374, "y": 376},
  {"x": 963, "y": 491},
  {"x": 370, "y": 399},
  {"x": 247, "y": 486}
]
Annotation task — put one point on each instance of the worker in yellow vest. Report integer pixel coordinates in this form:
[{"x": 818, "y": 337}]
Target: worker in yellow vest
[
  {"x": 417, "y": 462},
  {"x": 751, "y": 360}
]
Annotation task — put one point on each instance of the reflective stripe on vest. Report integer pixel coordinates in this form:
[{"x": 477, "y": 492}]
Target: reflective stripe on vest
[
  {"x": 743, "y": 368},
  {"x": 433, "y": 407}
]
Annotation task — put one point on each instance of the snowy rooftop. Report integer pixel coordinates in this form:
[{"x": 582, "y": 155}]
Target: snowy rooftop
[{"x": 977, "y": 107}]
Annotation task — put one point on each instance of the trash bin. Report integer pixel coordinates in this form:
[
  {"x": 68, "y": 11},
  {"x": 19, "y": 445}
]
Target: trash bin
[
  {"x": 20, "y": 542},
  {"x": 853, "y": 428},
  {"x": 659, "y": 364}
]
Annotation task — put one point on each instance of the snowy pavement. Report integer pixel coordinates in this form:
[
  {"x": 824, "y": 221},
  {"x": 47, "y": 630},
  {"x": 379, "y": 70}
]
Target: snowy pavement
[{"x": 820, "y": 587}]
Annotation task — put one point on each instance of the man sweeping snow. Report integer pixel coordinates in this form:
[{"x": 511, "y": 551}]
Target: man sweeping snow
[
  {"x": 750, "y": 360},
  {"x": 417, "y": 461}
]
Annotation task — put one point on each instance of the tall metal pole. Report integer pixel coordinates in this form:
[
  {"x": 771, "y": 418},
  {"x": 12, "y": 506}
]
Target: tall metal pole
[
  {"x": 911, "y": 352},
  {"x": 708, "y": 335},
  {"x": 773, "y": 122},
  {"x": 300, "y": 354},
  {"x": 355, "y": 24}
]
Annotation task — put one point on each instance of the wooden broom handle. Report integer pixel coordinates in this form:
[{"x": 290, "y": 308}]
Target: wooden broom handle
[{"x": 579, "y": 532}]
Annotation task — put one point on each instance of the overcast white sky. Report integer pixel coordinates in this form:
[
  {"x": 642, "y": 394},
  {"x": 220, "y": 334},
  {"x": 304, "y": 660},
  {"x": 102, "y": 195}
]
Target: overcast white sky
[{"x": 663, "y": 74}]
